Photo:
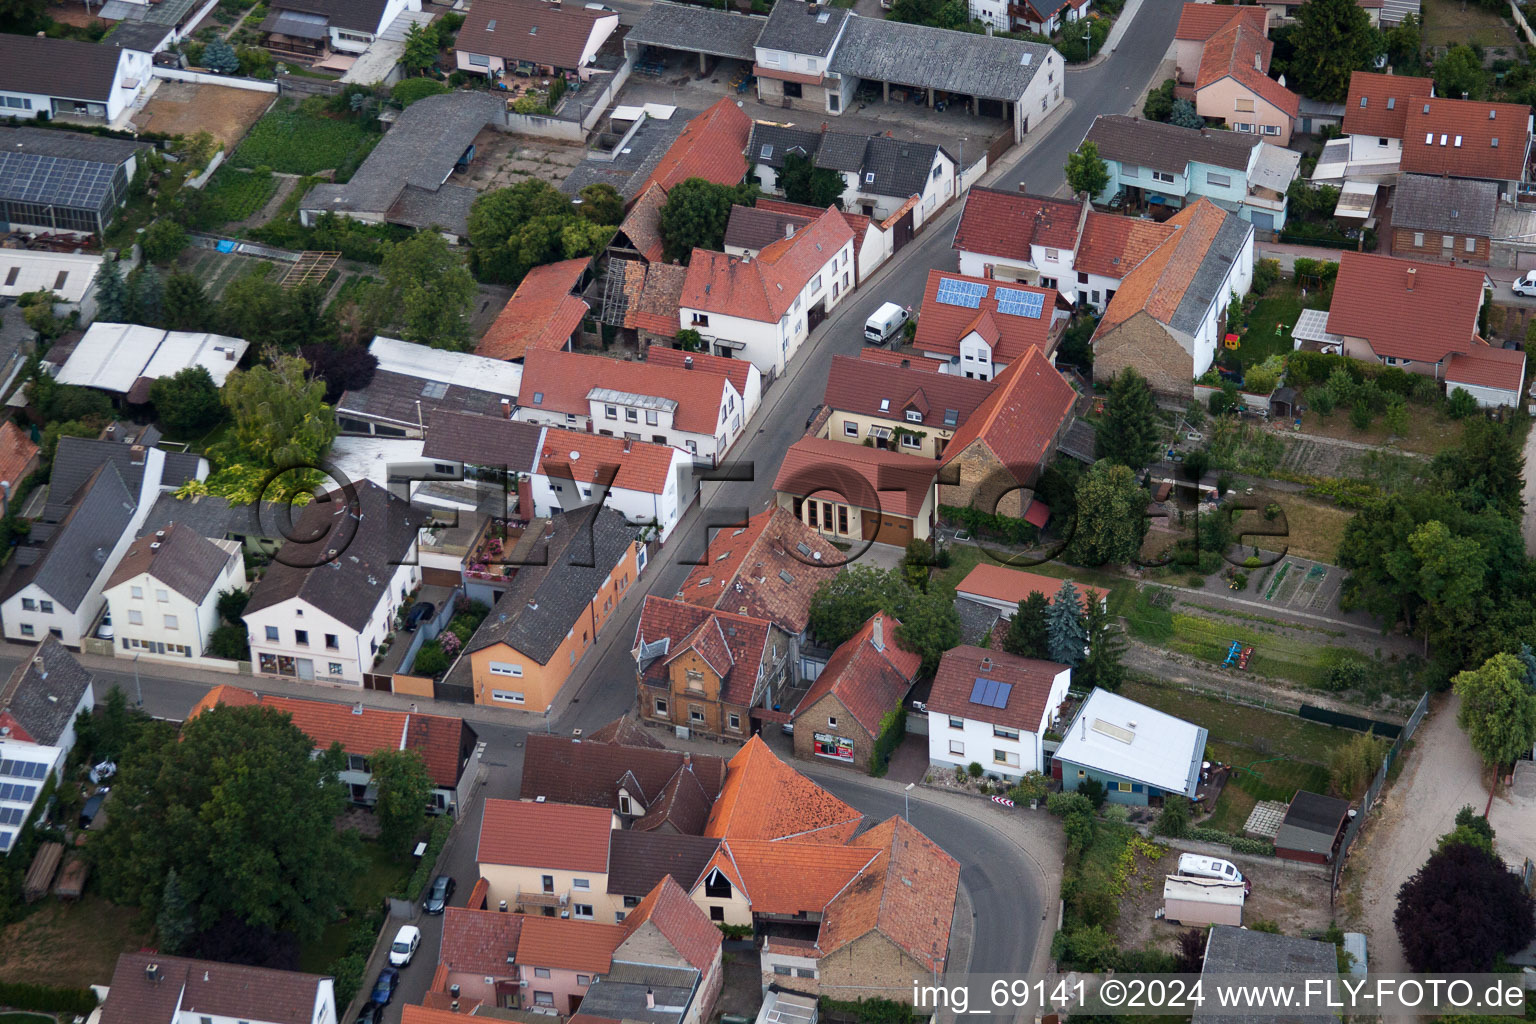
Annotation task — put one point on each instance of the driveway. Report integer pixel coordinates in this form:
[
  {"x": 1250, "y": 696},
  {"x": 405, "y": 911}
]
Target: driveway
[
  {"x": 1442, "y": 775},
  {"x": 1528, "y": 494}
]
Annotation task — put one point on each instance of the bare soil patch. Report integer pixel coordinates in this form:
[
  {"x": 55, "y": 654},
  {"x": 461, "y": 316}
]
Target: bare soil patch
[
  {"x": 502, "y": 160},
  {"x": 183, "y": 108},
  {"x": 69, "y": 945}
]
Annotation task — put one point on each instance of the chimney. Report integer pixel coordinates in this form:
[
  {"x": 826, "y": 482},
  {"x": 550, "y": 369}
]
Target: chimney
[
  {"x": 136, "y": 455},
  {"x": 506, "y": 407},
  {"x": 357, "y": 708},
  {"x": 986, "y": 663},
  {"x": 503, "y": 906},
  {"x": 687, "y": 362},
  {"x": 879, "y": 633},
  {"x": 152, "y": 972},
  {"x": 789, "y": 231},
  {"x": 687, "y": 759},
  {"x": 627, "y": 443},
  {"x": 650, "y": 999},
  {"x": 1412, "y": 273},
  {"x": 453, "y": 990},
  {"x": 906, "y": 364}
]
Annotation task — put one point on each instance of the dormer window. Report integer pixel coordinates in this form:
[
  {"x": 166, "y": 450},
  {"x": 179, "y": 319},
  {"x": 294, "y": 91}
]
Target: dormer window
[
  {"x": 913, "y": 416},
  {"x": 626, "y": 806}
]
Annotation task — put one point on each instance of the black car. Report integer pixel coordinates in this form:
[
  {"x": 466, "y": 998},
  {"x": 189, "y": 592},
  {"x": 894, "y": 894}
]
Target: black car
[
  {"x": 421, "y": 611},
  {"x": 91, "y": 809},
  {"x": 384, "y": 988},
  {"x": 439, "y": 895},
  {"x": 371, "y": 1013}
]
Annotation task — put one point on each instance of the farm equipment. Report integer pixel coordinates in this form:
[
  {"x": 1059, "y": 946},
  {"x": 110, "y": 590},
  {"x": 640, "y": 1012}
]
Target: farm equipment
[
  {"x": 1242, "y": 659},
  {"x": 1233, "y": 653}
]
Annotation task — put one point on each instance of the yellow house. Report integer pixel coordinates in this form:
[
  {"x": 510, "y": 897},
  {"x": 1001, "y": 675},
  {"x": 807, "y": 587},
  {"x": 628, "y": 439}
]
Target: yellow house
[
  {"x": 902, "y": 409},
  {"x": 547, "y": 859}
]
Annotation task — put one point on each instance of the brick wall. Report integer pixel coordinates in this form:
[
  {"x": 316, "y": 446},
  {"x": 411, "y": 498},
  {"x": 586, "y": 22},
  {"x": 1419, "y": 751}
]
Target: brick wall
[
  {"x": 985, "y": 483},
  {"x": 1433, "y": 249},
  {"x": 871, "y": 967},
  {"x": 1144, "y": 343},
  {"x": 814, "y": 719}
]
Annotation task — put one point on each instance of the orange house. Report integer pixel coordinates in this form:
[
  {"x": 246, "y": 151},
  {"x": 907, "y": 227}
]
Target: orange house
[
  {"x": 556, "y": 607},
  {"x": 704, "y": 669}
]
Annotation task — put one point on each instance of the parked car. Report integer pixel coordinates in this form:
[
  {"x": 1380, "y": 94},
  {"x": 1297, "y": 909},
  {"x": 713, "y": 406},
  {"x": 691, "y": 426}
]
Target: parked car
[
  {"x": 404, "y": 946},
  {"x": 371, "y": 1013},
  {"x": 102, "y": 772},
  {"x": 92, "y": 808},
  {"x": 439, "y": 895},
  {"x": 420, "y": 612},
  {"x": 1525, "y": 284},
  {"x": 886, "y": 321},
  {"x": 384, "y": 988},
  {"x": 104, "y": 631}
]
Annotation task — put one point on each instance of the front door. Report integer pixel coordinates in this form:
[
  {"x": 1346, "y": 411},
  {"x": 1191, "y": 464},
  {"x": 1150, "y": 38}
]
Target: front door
[
  {"x": 306, "y": 668},
  {"x": 548, "y": 883}
]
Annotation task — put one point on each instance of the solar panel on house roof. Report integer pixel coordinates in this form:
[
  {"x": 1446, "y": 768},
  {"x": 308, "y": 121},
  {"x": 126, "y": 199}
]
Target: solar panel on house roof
[
  {"x": 1016, "y": 302},
  {"x": 23, "y": 769},
  {"x": 989, "y": 693},
  {"x": 961, "y": 293}
]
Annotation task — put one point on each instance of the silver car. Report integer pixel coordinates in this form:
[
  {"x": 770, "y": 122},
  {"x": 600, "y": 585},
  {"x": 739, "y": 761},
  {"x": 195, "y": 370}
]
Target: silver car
[{"x": 1525, "y": 285}]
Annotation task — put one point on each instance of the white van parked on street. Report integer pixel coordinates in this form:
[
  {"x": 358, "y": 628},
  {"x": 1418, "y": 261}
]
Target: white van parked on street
[
  {"x": 887, "y": 321},
  {"x": 1198, "y": 866}
]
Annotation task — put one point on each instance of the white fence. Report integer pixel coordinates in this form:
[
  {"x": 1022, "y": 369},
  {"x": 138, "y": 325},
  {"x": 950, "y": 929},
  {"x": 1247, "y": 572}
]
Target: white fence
[
  {"x": 545, "y": 127},
  {"x": 205, "y": 78}
]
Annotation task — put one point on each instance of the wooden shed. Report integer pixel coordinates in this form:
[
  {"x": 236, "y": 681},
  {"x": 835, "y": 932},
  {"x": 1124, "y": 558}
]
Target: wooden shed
[
  {"x": 1202, "y": 901},
  {"x": 40, "y": 875},
  {"x": 1312, "y": 827}
]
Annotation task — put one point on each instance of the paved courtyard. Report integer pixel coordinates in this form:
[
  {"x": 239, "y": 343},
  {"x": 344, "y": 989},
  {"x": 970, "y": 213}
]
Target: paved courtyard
[{"x": 1265, "y": 818}]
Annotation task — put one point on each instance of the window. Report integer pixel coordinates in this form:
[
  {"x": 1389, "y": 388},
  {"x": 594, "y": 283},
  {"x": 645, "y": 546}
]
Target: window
[
  {"x": 137, "y": 592},
  {"x": 1124, "y": 787},
  {"x": 332, "y": 643},
  {"x": 18, "y": 103},
  {"x": 831, "y": 721},
  {"x": 631, "y": 416},
  {"x": 543, "y": 998},
  {"x": 300, "y": 636},
  {"x": 135, "y": 617},
  {"x": 695, "y": 714},
  {"x": 1162, "y": 176},
  {"x": 357, "y": 763},
  {"x": 810, "y": 63},
  {"x": 334, "y": 668},
  {"x": 583, "y": 979},
  {"x": 161, "y": 595},
  {"x": 842, "y": 519},
  {"x": 1243, "y": 104},
  {"x": 506, "y": 668},
  {"x": 782, "y": 969},
  {"x": 1447, "y": 242},
  {"x": 717, "y": 913},
  {"x": 733, "y": 721},
  {"x": 913, "y": 416},
  {"x": 1471, "y": 245},
  {"x": 911, "y": 441},
  {"x": 507, "y": 696},
  {"x": 850, "y": 428},
  {"x": 693, "y": 447},
  {"x": 1271, "y": 129},
  {"x": 717, "y": 886},
  {"x": 1052, "y": 254},
  {"x": 581, "y": 910},
  {"x": 661, "y": 706},
  {"x": 46, "y": 607},
  {"x": 1129, "y": 170},
  {"x": 1381, "y": 142},
  {"x": 1218, "y": 180},
  {"x": 1242, "y": 126},
  {"x": 272, "y": 634},
  {"x": 1007, "y": 758},
  {"x": 956, "y": 723},
  {"x": 28, "y": 605},
  {"x": 356, "y": 37},
  {"x": 869, "y": 178},
  {"x": 1004, "y": 733},
  {"x": 541, "y": 972},
  {"x": 651, "y": 418},
  {"x": 701, "y": 320},
  {"x": 611, "y": 411},
  {"x": 1418, "y": 238},
  {"x": 631, "y": 902},
  {"x": 957, "y": 748},
  {"x": 581, "y": 883},
  {"x": 816, "y": 283}
]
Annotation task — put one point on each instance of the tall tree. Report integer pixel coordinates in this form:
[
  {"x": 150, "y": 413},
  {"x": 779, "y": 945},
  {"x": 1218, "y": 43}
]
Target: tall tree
[
  {"x": 342, "y": 367},
  {"x": 280, "y": 414},
  {"x": 220, "y": 56},
  {"x": 1028, "y": 635},
  {"x": 1460, "y": 74},
  {"x": 186, "y": 304},
  {"x": 1129, "y": 434},
  {"x": 601, "y": 203},
  {"x": 1498, "y": 710},
  {"x": 187, "y": 402},
  {"x": 1106, "y": 646},
  {"x": 1485, "y": 467},
  {"x": 111, "y": 293},
  {"x": 422, "y": 44},
  {"x": 1462, "y": 911},
  {"x": 1065, "y": 626},
  {"x": 1111, "y": 517},
  {"x": 804, "y": 182},
  {"x": 497, "y": 222},
  {"x": 146, "y": 297},
  {"x": 845, "y": 602},
  {"x": 403, "y": 785},
  {"x": 1086, "y": 172},
  {"x": 175, "y": 922},
  {"x": 695, "y": 214},
  {"x": 243, "y": 811},
  {"x": 1332, "y": 40},
  {"x": 429, "y": 291},
  {"x": 1449, "y": 576},
  {"x": 929, "y": 625}
]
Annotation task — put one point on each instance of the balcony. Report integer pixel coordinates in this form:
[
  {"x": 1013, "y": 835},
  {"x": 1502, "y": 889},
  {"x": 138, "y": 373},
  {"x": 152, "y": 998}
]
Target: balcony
[{"x": 537, "y": 898}]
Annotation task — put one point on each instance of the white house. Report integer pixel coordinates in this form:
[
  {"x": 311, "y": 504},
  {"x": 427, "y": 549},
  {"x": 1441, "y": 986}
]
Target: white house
[
  {"x": 993, "y": 708},
  {"x": 1493, "y": 376},
  {"x": 1375, "y": 120},
  {"x": 324, "y": 607},
  {"x": 312, "y": 26},
  {"x": 745, "y": 377},
  {"x": 70, "y": 78},
  {"x": 164, "y": 594},
  {"x": 684, "y": 407},
  {"x": 154, "y": 988},
  {"x": 1042, "y": 17},
  {"x": 761, "y": 309},
  {"x": 502, "y": 36},
  {"x": 1138, "y": 754},
  {"x": 71, "y": 276},
  {"x": 648, "y": 483},
  {"x": 38, "y": 707}
]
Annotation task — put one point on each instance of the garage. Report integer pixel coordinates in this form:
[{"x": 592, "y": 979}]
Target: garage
[
  {"x": 886, "y": 529},
  {"x": 1493, "y": 376},
  {"x": 667, "y": 31}
]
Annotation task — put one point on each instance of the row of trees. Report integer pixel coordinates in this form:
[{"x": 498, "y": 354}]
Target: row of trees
[{"x": 1070, "y": 629}]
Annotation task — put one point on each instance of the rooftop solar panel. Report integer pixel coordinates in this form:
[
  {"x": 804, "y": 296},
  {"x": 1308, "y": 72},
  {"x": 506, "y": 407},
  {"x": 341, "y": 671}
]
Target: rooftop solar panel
[
  {"x": 1016, "y": 302},
  {"x": 961, "y": 293}
]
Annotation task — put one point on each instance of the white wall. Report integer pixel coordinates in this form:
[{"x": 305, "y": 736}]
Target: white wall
[
  {"x": 1370, "y": 149},
  {"x": 355, "y": 648},
  {"x": 979, "y": 743},
  {"x": 1487, "y": 398},
  {"x": 195, "y": 623},
  {"x": 730, "y": 420},
  {"x": 1045, "y": 90},
  {"x": 324, "y": 1011},
  {"x": 638, "y": 507}
]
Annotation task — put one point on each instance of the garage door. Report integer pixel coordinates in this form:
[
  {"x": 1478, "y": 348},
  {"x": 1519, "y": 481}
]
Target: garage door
[
  {"x": 886, "y": 529},
  {"x": 1263, "y": 221}
]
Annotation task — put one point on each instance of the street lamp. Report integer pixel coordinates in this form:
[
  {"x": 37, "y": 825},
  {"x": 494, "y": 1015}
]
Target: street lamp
[
  {"x": 138, "y": 689},
  {"x": 907, "y": 798}
]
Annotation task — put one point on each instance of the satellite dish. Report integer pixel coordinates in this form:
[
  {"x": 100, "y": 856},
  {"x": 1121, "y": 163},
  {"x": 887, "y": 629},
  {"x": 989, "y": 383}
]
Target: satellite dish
[{"x": 575, "y": 456}]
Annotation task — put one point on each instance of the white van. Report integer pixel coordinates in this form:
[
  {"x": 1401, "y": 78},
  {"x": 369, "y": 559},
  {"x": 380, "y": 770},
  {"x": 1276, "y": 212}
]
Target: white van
[
  {"x": 888, "y": 319},
  {"x": 1193, "y": 864}
]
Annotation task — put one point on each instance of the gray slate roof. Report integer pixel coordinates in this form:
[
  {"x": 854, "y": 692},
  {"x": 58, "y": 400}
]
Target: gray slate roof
[
  {"x": 621, "y": 994},
  {"x": 1452, "y": 206},
  {"x": 57, "y": 67},
  {"x": 144, "y": 36},
  {"x": 1167, "y": 147},
  {"x": 370, "y": 536},
  {"x": 178, "y": 556},
  {"x": 417, "y": 154},
  {"x": 938, "y": 58},
  {"x": 1233, "y": 951},
  {"x": 799, "y": 27},
  {"x": 215, "y": 518},
  {"x": 976, "y": 620},
  {"x": 44, "y": 699},
  {"x": 483, "y": 441},
  {"x": 638, "y": 860},
  {"x": 362, "y": 15},
  {"x": 393, "y": 396},
  {"x": 76, "y": 552},
  {"x": 78, "y": 457},
  {"x": 840, "y": 151},
  {"x": 751, "y": 228},
  {"x": 770, "y": 143},
  {"x": 628, "y": 171},
  {"x": 900, "y": 168},
  {"x": 694, "y": 28},
  {"x": 544, "y": 600},
  {"x": 1207, "y": 282},
  {"x": 1311, "y": 822}
]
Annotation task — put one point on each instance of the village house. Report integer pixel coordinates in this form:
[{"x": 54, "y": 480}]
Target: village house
[
  {"x": 70, "y": 276},
  {"x": 687, "y": 407},
  {"x": 1139, "y": 755},
  {"x": 990, "y": 594},
  {"x": 669, "y": 148},
  {"x": 445, "y": 744},
  {"x": 413, "y": 383},
  {"x": 164, "y": 593},
  {"x": 751, "y": 229},
  {"x": 979, "y": 326},
  {"x": 1469, "y": 139},
  {"x": 543, "y": 315},
  {"x": 546, "y": 858},
  {"x": 843, "y": 713},
  {"x": 1165, "y": 318},
  {"x": 763, "y": 309},
  {"x": 652, "y": 485},
  {"x": 702, "y": 671},
  {"x": 638, "y": 860},
  {"x": 312, "y": 29},
  {"x": 154, "y": 988},
  {"x": 665, "y": 791},
  {"x": 569, "y": 573},
  {"x": 124, "y": 359},
  {"x": 1044, "y": 18},
  {"x": 532, "y": 37},
  {"x": 907, "y": 410},
  {"x": 69, "y": 80},
  {"x": 1233, "y": 85},
  {"x": 38, "y": 707},
  {"x": 893, "y": 500},
  {"x": 1448, "y": 219},
  {"x": 1375, "y": 123},
  {"x": 19, "y": 459},
  {"x": 746, "y": 378},
  {"x": 994, "y": 708},
  {"x": 323, "y": 609}
]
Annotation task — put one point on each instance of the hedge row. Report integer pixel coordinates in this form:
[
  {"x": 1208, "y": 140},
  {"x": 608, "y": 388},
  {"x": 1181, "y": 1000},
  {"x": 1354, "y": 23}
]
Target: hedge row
[
  {"x": 417, "y": 883},
  {"x": 1239, "y": 844},
  {"x": 45, "y": 999}
]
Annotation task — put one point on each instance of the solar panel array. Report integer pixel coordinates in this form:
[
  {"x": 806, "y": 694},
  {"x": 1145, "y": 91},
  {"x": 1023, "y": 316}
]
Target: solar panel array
[
  {"x": 5, "y": 840},
  {"x": 961, "y": 293},
  {"x": 11, "y": 815},
  {"x": 17, "y": 791},
  {"x": 990, "y": 693},
  {"x": 23, "y": 769},
  {"x": 55, "y": 180},
  {"x": 1017, "y": 302}
]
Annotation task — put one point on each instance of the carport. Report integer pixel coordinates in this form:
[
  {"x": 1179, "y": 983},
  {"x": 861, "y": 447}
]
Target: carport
[{"x": 696, "y": 30}]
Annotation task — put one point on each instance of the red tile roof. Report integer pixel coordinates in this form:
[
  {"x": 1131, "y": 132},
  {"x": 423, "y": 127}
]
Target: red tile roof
[
  {"x": 710, "y": 147},
  {"x": 1006, "y": 224},
  {"x": 432, "y": 1014},
  {"x": 788, "y": 877},
  {"x": 764, "y": 288},
  {"x": 733, "y": 644},
  {"x": 1018, "y": 422},
  {"x": 534, "y": 835},
  {"x": 585, "y": 946},
  {"x": 859, "y": 386},
  {"x": 1436, "y": 126},
  {"x": 940, "y": 327},
  {"x": 857, "y": 222},
  {"x": 1030, "y": 679},
  {"x": 1112, "y": 245},
  {"x": 478, "y": 941},
  {"x": 560, "y": 381},
  {"x": 207, "y": 987},
  {"x": 541, "y": 314},
  {"x": 1242, "y": 52},
  {"x": 907, "y": 894},
  {"x": 869, "y": 676},
  {"x": 437, "y": 738},
  {"x": 660, "y": 292},
  {"x": 1379, "y": 104},
  {"x": 766, "y": 799},
  {"x": 1158, "y": 283},
  {"x": 866, "y": 478},
  {"x": 745, "y": 567},
  {"x": 1201, "y": 21},
  {"x": 1000, "y": 583},
  {"x": 680, "y": 921},
  {"x": 640, "y": 465},
  {"x": 885, "y": 357},
  {"x": 1404, "y": 308},
  {"x": 737, "y": 371},
  {"x": 18, "y": 454},
  {"x": 531, "y": 30},
  {"x": 642, "y": 224},
  {"x": 1485, "y": 367}
]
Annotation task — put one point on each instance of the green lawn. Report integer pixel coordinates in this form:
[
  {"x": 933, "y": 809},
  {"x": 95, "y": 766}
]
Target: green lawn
[
  {"x": 240, "y": 194},
  {"x": 1300, "y": 660},
  {"x": 1268, "y": 330},
  {"x": 1231, "y": 726},
  {"x": 303, "y": 139},
  {"x": 379, "y": 877},
  {"x": 1448, "y": 22}
]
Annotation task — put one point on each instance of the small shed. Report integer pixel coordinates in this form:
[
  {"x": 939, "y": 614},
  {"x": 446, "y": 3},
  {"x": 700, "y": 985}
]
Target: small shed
[
  {"x": 71, "y": 883},
  {"x": 1311, "y": 829},
  {"x": 1282, "y": 403},
  {"x": 1202, "y": 901},
  {"x": 40, "y": 874}
]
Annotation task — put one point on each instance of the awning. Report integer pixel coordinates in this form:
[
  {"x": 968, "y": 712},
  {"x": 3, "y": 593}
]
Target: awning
[
  {"x": 728, "y": 343},
  {"x": 1356, "y": 199},
  {"x": 877, "y": 431}
]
